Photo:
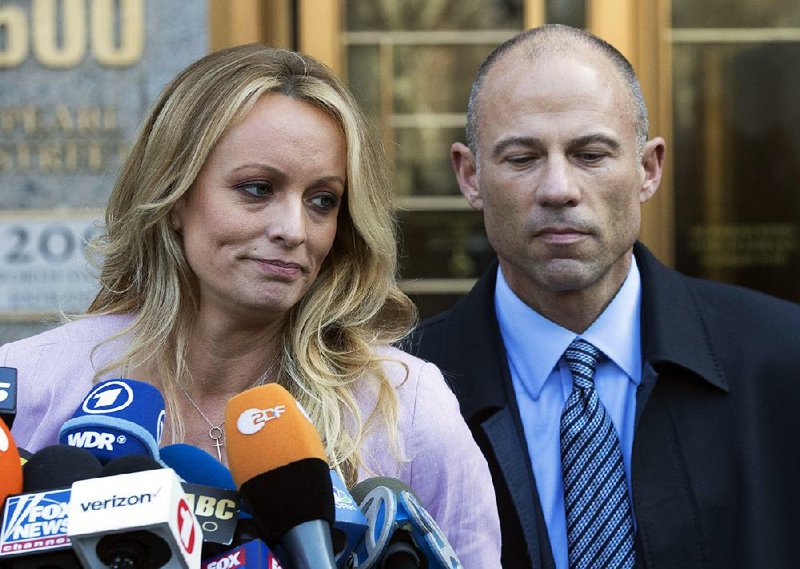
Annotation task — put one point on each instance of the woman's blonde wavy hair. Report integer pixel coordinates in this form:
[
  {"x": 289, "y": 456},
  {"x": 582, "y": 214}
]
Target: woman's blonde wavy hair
[{"x": 353, "y": 305}]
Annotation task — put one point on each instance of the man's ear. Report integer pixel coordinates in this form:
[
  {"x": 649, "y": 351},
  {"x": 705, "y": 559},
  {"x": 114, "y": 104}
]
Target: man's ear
[
  {"x": 466, "y": 171},
  {"x": 652, "y": 163}
]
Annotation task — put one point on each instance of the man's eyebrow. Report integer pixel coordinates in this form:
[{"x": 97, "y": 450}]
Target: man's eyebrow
[
  {"x": 532, "y": 141},
  {"x": 501, "y": 146},
  {"x": 598, "y": 138}
]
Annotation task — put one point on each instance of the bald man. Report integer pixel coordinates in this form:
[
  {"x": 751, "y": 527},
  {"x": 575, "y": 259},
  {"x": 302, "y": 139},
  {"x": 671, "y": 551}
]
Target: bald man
[{"x": 631, "y": 416}]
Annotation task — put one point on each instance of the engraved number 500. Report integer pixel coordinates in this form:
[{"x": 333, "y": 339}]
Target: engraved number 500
[{"x": 45, "y": 29}]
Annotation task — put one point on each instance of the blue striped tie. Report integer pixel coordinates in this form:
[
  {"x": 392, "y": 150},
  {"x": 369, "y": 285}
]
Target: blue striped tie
[{"x": 599, "y": 517}]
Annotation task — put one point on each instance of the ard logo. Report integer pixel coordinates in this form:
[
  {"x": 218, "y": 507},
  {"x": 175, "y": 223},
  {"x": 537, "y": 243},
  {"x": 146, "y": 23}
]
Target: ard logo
[{"x": 108, "y": 397}]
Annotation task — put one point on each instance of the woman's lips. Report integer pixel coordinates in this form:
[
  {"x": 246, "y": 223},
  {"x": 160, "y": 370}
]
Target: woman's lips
[{"x": 279, "y": 268}]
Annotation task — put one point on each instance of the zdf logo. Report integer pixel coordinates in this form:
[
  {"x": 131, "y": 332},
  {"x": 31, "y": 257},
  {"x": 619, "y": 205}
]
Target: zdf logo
[
  {"x": 108, "y": 397},
  {"x": 253, "y": 420}
]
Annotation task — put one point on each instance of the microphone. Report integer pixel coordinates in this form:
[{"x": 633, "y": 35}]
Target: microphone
[
  {"x": 135, "y": 520},
  {"x": 117, "y": 417},
  {"x": 279, "y": 464},
  {"x": 251, "y": 555},
  {"x": 349, "y": 524},
  {"x": 401, "y": 534},
  {"x": 10, "y": 465},
  {"x": 195, "y": 465},
  {"x": 58, "y": 466},
  {"x": 8, "y": 395},
  {"x": 210, "y": 491},
  {"x": 34, "y": 529}
]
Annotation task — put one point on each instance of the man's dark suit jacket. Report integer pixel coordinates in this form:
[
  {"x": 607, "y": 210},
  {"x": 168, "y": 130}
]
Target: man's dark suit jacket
[{"x": 716, "y": 451}]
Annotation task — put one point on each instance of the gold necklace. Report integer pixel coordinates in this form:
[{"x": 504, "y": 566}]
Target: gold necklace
[{"x": 216, "y": 432}]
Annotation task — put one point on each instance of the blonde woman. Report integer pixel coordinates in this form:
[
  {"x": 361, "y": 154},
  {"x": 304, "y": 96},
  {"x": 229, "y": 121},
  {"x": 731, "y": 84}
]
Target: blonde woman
[{"x": 249, "y": 239}]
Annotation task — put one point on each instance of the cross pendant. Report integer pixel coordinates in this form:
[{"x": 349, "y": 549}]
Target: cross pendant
[{"x": 216, "y": 435}]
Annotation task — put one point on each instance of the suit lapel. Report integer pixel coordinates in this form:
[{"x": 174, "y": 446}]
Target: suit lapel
[
  {"x": 506, "y": 444},
  {"x": 676, "y": 348},
  {"x": 473, "y": 334}
]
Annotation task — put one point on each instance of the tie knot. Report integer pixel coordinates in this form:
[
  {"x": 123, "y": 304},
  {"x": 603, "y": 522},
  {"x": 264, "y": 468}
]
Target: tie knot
[{"x": 582, "y": 358}]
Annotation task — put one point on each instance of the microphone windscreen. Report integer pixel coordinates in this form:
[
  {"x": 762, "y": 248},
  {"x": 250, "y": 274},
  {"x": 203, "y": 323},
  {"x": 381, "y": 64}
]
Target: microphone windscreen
[
  {"x": 360, "y": 490},
  {"x": 266, "y": 429},
  {"x": 195, "y": 465},
  {"x": 350, "y": 524},
  {"x": 410, "y": 516},
  {"x": 58, "y": 466},
  {"x": 10, "y": 465},
  {"x": 277, "y": 460},
  {"x": 117, "y": 417},
  {"x": 129, "y": 464}
]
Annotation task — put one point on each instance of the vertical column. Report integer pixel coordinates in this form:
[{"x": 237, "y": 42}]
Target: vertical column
[
  {"x": 319, "y": 31},
  {"x": 534, "y": 13},
  {"x": 638, "y": 30}
]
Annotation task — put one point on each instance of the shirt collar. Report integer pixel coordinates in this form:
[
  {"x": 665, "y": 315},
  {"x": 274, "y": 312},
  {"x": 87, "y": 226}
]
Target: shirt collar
[{"x": 535, "y": 344}]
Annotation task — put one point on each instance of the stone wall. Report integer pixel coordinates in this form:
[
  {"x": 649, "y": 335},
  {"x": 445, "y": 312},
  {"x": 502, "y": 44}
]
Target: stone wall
[{"x": 76, "y": 78}]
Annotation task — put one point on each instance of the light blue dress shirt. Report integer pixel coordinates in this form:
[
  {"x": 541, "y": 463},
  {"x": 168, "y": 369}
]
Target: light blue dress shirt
[{"x": 542, "y": 383}]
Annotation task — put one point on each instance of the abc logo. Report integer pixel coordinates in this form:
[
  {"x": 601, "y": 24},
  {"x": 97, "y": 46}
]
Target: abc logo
[{"x": 108, "y": 397}]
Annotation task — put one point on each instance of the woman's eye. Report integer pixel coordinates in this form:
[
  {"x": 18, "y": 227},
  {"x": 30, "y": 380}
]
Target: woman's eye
[
  {"x": 325, "y": 201},
  {"x": 257, "y": 189}
]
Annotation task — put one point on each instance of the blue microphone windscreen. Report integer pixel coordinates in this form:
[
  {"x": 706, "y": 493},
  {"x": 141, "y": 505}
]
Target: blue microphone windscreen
[
  {"x": 349, "y": 525},
  {"x": 118, "y": 417},
  {"x": 197, "y": 466}
]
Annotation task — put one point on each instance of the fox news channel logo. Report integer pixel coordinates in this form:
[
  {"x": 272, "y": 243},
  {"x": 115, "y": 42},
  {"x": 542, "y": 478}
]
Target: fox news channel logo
[{"x": 35, "y": 522}]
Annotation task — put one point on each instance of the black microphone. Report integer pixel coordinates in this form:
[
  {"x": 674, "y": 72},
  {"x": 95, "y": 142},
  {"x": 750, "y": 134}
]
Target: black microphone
[
  {"x": 129, "y": 464},
  {"x": 139, "y": 519},
  {"x": 401, "y": 533},
  {"x": 8, "y": 395},
  {"x": 33, "y": 534},
  {"x": 58, "y": 466}
]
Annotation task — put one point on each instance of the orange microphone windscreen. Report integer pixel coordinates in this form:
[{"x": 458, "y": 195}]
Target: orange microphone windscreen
[
  {"x": 266, "y": 429},
  {"x": 10, "y": 466}
]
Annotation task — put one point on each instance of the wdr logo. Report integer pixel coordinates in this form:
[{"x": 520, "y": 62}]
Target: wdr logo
[
  {"x": 108, "y": 397},
  {"x": 90, "y": 439}
]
